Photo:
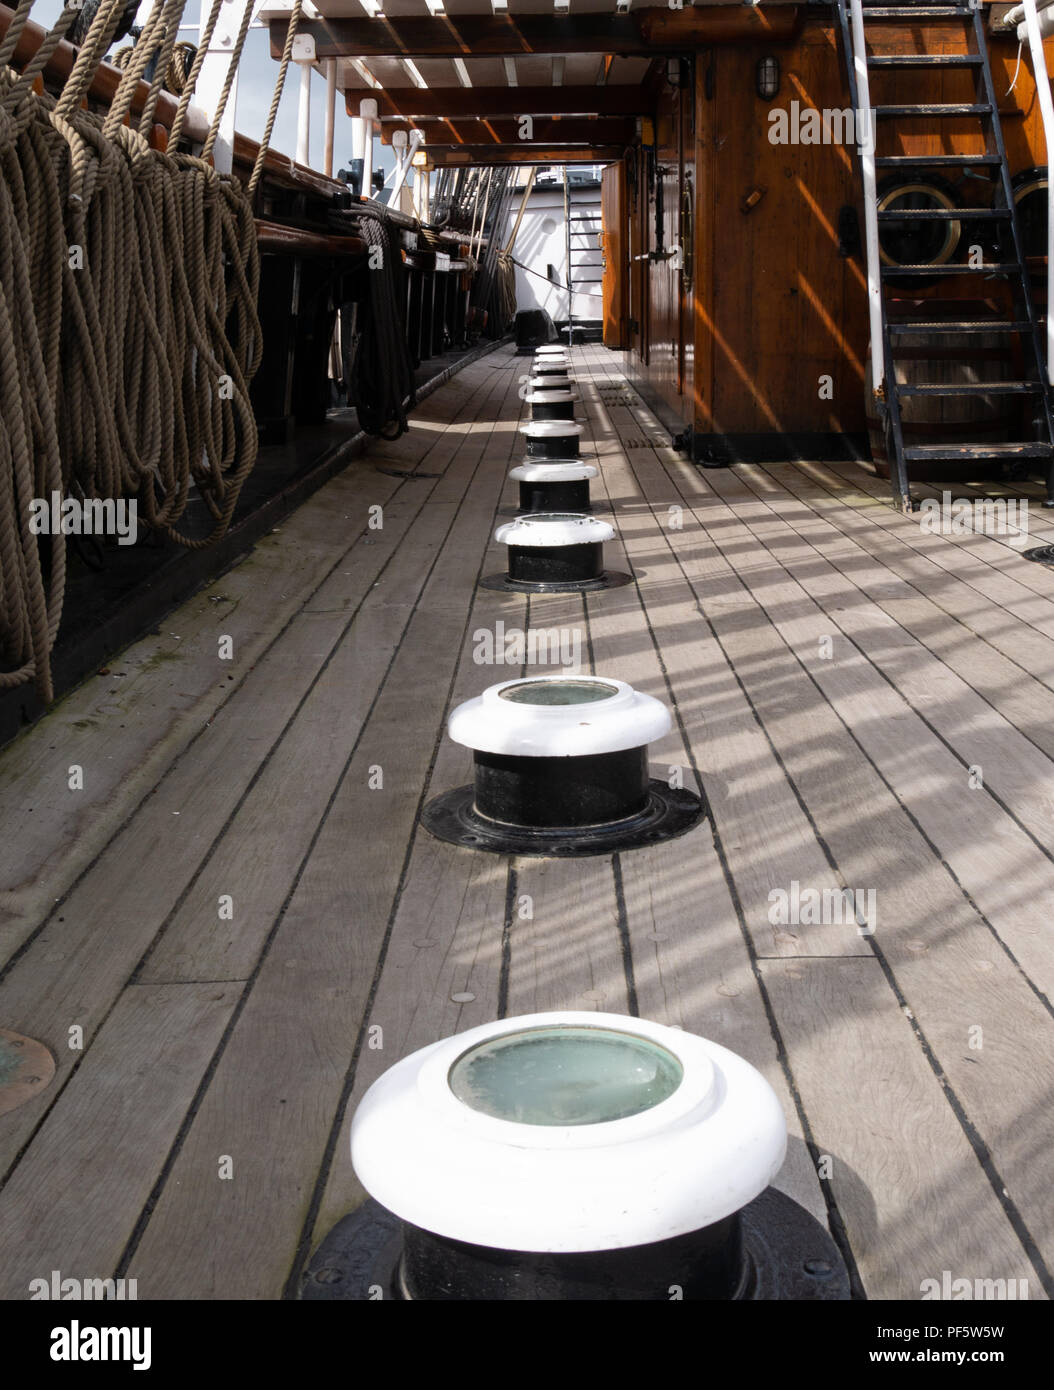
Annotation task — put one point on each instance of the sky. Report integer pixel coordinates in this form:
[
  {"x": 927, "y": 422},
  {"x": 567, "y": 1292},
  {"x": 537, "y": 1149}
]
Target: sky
[{"x": 256, "y": 78}]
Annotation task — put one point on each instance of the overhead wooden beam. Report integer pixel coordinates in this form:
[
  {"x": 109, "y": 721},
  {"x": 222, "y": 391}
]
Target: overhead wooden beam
[
  {"x": 608, "y": 130},
  {"x": 509, "y": 154},
  {"x": 412, "y": 103},
  {"x": 643, "y": 33}
]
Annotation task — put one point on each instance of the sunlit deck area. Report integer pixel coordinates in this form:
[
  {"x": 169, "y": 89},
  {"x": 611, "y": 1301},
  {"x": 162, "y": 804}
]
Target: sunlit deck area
[{"x": 237, "y": 923}]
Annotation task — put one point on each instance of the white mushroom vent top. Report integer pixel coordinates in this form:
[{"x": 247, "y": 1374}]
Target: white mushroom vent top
[
  {"x": 554, "y": 528},
  {"x": 551, "y": 396},
  {"x": 557, "y": 716},
  {"x": 551, "y": 429},
  {"x": 568, "y": 1131},
  {"x": 552, "y": 471}
]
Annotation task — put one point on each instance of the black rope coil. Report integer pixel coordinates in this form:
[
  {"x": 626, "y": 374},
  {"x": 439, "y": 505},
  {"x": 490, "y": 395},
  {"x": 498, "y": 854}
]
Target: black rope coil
[{"x": 381, "y": 378}]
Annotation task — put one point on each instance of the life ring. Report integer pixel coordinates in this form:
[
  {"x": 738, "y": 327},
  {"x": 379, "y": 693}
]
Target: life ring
[
  {"x": 1030, "y": 201},
  {"x": 917, "y": 243}
]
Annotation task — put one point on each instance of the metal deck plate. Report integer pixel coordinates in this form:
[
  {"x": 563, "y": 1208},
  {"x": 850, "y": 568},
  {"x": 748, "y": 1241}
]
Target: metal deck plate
[{"x": 26, "y": 1067}]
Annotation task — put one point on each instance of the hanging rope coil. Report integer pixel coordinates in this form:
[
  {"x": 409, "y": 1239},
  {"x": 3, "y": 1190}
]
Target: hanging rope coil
[
  {"x": 381, "y": 380},
  {"x": 129, "y": 331}
]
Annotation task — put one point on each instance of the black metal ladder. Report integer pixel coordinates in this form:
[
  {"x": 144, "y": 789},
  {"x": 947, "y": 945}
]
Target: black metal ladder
[
  {"x": 584, "y": 263},
  {"x": 1011, "y": 264}
]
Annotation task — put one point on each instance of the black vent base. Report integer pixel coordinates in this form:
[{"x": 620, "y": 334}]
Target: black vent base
[
  {"x": 670, "y": 812},
  {"x": 787, "y": 1254}
]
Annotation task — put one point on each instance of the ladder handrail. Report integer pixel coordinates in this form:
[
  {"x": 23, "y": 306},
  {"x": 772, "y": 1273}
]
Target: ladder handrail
[
  {"x": 1046, "y": 108},
  {"x": 860, "y": 88}
]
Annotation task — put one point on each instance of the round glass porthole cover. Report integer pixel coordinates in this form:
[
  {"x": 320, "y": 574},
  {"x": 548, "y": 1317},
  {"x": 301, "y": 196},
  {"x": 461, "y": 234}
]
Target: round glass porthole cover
[
  {"x": 559, "y": 715},
  {"x": 558, "y": 692},
  {"x": 637, "y": 1157},
  {"x": 565, "y": 1076}
]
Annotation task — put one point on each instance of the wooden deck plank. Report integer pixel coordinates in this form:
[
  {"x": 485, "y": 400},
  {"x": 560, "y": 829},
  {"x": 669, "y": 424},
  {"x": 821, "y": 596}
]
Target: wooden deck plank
[
  {"x": 74, "y": 969},
  {"x": 259, "y": 852},
  {"x": 908, "y": 1186},
  {"x": 61, "y": 833},
  {"x": 350, "y": 918},
  {"x": 449, "y": 925},
  {"x": 982, "y": 561},
  {"x": 1012, "y": 881},
  {"x": 74, "y": 1199},
  {"x": 767, "y": 836},
  {"x": 961, "y": 612},
  {"x": 985, "y": 1085},
  {"x": 327, "y": 951}
]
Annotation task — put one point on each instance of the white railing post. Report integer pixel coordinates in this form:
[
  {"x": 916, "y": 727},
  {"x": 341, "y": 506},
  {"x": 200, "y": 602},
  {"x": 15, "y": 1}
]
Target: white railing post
[{"x": 865, "y": 137}]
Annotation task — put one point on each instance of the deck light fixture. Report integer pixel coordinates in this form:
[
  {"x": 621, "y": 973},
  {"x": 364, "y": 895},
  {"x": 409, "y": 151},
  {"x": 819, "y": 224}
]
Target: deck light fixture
[
  {"x": 551, "y": 382},
  {"x": 767, "y": 77},
  {"x": 571, "y": 1156},
  {"x": 557, "y": 403},
  {"x": 561, "y": 485},
  {"x": 553, "y": 439},
  {"x": 677, "y": 70},
  {"x": 555, "y": 552},
  {"x": 561, "y": 768}
]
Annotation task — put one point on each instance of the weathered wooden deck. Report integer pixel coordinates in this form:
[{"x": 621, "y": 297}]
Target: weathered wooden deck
[{"x": 836, "y": 674}]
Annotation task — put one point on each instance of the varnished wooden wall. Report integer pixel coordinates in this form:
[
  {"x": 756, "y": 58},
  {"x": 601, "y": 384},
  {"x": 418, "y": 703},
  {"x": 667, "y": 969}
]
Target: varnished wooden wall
[
  {"x": 615, "y": 280},
  {"x": 774, "y": 307}
]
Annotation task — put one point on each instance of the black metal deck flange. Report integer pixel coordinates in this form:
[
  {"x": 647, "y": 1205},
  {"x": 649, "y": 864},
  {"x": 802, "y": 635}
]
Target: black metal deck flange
[
  {"x": 786, "y": 1255},
  {"x": 555, "y": 496},
  {"x": 1042, "y": 554},
  {"x": 668, "y": 812},
  {"x": 553, "y": 410},
  {"x": 502, "y": 584},
  {"x": 555, "y": 552},
  {"x": 555, "y": 445},
  {"x": 560, "y": 768}
]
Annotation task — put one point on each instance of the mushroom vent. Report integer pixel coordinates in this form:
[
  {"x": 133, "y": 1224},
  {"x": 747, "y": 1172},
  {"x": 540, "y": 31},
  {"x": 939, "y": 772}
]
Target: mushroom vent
[{"x": 560, "y": 768}]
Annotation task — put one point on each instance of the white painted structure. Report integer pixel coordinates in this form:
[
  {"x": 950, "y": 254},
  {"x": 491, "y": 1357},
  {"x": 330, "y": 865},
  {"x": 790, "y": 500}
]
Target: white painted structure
[
  {"x": 541, "y": 250},
  {"x": 694, "y": 1158}
]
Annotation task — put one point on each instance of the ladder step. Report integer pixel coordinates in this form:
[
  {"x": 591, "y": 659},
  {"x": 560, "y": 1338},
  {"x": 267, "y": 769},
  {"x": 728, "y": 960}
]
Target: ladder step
[
  {"x": 946, "y": 326},
  {"x": 895, "y": 271},
  {"x": 937, "y": 161},
  {"x": 916, "y": 11},
  {"x": 924, "y": 60},
  {"x": 937, "y": 108},
  {"x": 945, "y": 215},
  {"x": 978, "y": 451},
  {"x": 974, "y": 388}
]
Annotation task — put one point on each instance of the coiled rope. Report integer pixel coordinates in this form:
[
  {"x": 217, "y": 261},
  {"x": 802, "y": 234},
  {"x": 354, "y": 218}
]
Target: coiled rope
[
  {"x": 129, "y": 331},
  {"x": 381, "y": 381}
]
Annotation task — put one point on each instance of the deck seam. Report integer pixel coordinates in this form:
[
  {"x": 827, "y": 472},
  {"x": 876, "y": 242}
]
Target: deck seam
[
  {"x": 131, "y": 1246},
  {"x": 836, "y": 1222},
  {"x": 303, "y": 1246},
  {"x": 973, "y": 1137},
  {"x": 1047, "y": 1003}
]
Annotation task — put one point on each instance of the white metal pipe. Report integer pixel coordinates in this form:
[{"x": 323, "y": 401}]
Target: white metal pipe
[
  {"x": 866, "y": 148},
  {"x": 331, "y": 112},
  {"x": 358, "y": 137},
  {"x": 1017, "y": 14},
  {"x": 404, "y": 165},
  {"x": 1046, "y": 106},
  {"x": 303, "y": 117},
  {"x": 368, "y": 114}
]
